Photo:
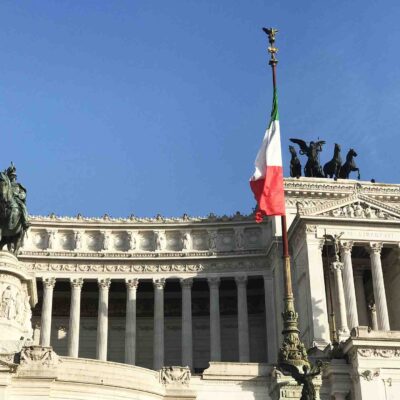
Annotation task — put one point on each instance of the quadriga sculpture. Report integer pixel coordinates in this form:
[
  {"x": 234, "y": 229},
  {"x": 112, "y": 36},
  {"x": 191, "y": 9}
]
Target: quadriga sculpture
[{"x": 313, "y": 167}]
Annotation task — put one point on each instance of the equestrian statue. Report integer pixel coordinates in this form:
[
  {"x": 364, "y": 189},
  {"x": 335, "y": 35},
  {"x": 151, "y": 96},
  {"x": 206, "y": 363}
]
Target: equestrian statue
[
  {"x": 13, "y": 213},
  {"x": 332, "y": 168},
  {"x": 313, "y": 167},
  {"x": 295, "y": 165}
]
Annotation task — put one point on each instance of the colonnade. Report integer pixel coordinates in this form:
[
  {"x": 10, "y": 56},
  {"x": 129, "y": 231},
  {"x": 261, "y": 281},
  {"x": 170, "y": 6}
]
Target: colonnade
[
  {"x": 158, "y": 331},
  {"x": 351, "y": 304}
]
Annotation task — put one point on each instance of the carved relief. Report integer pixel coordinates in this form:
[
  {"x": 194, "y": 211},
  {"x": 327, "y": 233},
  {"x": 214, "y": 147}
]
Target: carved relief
[
  {"x": 253, "y": 264},
  {"x": 132, "y": 240},
  {"x": 38, "y": 356},
  {"x": 359, "y": 210},
  {"x": 186, "y": 241},
  {"x": 369, "y": 375},
  {"x": 160, "y": 241},
  {"x": 51, "y": 239},
  {"x": 239, "y": 238},
  {"x": 78, "y": 240},
  {"x": 106, "y": 240},
  {"x": 212, "y": 238},
  {"x": 175, "y": 375},
  {"x": 378, "y": 353}
]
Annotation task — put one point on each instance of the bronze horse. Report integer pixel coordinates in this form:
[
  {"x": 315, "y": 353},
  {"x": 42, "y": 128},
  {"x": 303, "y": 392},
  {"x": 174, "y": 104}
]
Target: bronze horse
[
  {"x": 332, "y": 168},
  {"x": 295, "y": 165},
  {"x": 349, "y": 166},
  {"x": 11, "y": 231}
]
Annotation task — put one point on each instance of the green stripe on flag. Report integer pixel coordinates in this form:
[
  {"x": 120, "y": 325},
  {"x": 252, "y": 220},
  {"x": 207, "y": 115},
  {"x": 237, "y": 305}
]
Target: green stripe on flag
[{"x": 274, "y": 112}]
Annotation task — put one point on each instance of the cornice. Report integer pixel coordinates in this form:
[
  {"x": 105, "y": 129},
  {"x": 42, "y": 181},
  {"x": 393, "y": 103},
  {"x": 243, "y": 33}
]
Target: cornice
[
  {"x": 324, "y": 187},
  {"x": 133, "y": 221},
  {"x": 71, "y": 255}
]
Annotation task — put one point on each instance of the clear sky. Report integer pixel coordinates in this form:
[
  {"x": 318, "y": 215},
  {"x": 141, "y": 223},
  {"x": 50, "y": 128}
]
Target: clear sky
[{"x": 150, "y": 107}]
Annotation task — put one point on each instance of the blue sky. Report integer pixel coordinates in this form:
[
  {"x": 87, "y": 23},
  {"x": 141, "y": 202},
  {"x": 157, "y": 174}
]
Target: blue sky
[{"x": 150, "y": 107}]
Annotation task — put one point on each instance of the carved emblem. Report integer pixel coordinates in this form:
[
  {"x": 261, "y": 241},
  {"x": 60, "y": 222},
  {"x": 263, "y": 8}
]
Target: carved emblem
[
  {"x": 175, "y": 375},
  {"x": 38, "y": 355}
]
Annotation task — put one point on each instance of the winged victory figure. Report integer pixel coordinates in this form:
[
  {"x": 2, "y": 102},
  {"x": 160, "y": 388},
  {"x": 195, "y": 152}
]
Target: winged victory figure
[
  {"x": 313, "y": 167},
  {"x": 305, "y": 379}
]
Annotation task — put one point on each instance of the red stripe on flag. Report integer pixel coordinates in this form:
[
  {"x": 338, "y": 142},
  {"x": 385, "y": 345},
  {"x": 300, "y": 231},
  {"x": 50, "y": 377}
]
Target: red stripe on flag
[{"x": 269, "y": 193}]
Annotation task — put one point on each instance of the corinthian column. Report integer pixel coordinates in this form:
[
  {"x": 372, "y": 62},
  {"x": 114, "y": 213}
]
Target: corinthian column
[
  {"x": 187, "y": 330},
  {"x": 215, "y": 329},
  {"x": 343, "y": 330},
  {"x": 74, "y": 317},
  {"x": 102, "y": 319},
  {"x": 130, "y": 322},
  {"x": 45, "y": 333},
  {"x": 158, "y": 346},
  {"x": 379, "y": 286},
  {"x": 243, "y": 319},
  {"x": 348, "y": 283}
]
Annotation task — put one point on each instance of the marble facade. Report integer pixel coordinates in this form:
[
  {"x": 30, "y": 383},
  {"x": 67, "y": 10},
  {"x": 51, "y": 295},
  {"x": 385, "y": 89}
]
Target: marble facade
[{"x": 187, "y": 307}]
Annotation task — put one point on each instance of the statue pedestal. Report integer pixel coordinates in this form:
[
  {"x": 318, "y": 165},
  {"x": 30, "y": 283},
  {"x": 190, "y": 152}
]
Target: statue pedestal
[{"x": 18, "y": 295}]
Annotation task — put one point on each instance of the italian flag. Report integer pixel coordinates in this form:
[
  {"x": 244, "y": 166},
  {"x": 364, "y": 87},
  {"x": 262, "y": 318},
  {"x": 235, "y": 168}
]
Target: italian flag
[{"x": 267, "y": 180}]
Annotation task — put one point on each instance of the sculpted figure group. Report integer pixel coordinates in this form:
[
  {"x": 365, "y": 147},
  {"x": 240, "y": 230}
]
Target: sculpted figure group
[{"x": 335, "y": 168}]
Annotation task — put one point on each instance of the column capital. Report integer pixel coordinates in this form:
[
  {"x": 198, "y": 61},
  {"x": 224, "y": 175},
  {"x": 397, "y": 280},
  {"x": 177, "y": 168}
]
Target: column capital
[
  {"x": 214, "y": 281},
  {"x": 104, "y": 283},
  {"x": 132, "y": 283},
  {"x": 346, "y": 246},
  {"x": 337, "y": 266},
  {"x": 76, "y": 282},
  {"x": 186, "y": 282},
  {"x": 241, "y": 280},
  {"x": 158, "y": 283},
  {"x": 375, "y": 247},
  {"x": 49, "y": 282}
]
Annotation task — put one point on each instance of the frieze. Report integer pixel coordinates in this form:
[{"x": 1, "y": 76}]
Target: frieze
[
  {"x": 378, "y": 353},
  {"x": 246, "y": 265},
  {"x": 316, "y": 186}
]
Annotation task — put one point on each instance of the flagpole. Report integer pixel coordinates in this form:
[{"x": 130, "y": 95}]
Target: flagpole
[{"x": 292, "y": 351}]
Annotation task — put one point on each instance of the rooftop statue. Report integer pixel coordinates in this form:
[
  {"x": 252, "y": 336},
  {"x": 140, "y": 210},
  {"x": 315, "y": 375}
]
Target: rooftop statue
[
  {"x": 313, "y": 167},
  {"x": 13, "y": 213},
  {"x": 349, "y": 165},
  {"x": 295, "y": 165},
  {"x": 332, "y": 168}
]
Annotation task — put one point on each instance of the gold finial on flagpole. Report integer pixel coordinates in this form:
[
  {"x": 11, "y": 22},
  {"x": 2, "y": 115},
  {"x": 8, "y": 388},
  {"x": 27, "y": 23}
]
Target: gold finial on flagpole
[{"x": 271, "y": 32}]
